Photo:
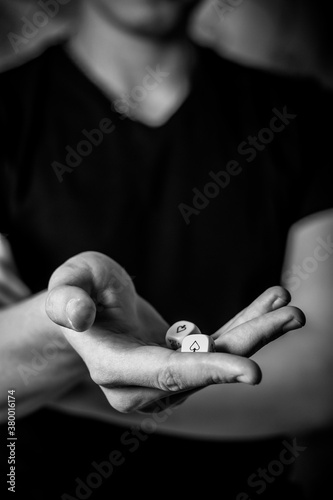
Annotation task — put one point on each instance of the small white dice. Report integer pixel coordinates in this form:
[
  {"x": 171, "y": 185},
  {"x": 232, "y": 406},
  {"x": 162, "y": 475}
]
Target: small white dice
[
  {"x": 198, "y": 343},
  {"x": 178, "y": 331}
]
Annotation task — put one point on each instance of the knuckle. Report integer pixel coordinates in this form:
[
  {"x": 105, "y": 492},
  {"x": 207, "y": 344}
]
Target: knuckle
[{"x": 170, "y": 380}]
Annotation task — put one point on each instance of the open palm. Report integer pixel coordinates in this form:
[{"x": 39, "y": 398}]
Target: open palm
[{"x": 121, "y": 337}]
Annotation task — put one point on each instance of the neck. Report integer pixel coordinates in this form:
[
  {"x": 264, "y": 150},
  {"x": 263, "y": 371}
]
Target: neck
[{"x": 119, "y": 58}]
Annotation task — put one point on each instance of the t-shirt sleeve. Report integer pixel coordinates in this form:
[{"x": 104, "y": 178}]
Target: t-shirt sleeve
[{"x": 314, "y": 182}]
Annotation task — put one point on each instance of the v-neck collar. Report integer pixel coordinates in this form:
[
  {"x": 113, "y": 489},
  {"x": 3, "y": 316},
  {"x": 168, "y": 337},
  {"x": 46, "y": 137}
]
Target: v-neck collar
[{"x": 109, "y": 99}]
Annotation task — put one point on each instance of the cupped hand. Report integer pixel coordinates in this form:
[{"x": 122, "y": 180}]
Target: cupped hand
[{"x": 121, "y": 337}]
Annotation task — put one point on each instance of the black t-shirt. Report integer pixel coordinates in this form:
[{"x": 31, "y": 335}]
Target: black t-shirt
[{"x": 197, "y": 211}]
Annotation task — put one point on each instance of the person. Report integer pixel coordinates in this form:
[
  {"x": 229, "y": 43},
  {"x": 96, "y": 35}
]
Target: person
[{"x": 133, "y": 157}]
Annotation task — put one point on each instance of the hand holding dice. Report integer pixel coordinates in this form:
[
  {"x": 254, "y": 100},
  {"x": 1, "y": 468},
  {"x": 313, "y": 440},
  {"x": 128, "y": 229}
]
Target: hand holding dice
[
  {"x": 121, "y": 337},
  {"x": 187, "y": 337}
]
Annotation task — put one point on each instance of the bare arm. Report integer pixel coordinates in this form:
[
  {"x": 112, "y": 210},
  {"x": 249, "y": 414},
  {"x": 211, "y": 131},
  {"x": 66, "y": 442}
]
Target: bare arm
[
  {"x": 295, "y": 394},
  {"x": 115, "y": 332},
  {"x": 39, "y": 363},
  {"x": 35, "y": 358}
]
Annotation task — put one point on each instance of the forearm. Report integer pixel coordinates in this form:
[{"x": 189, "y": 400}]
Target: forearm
[
  {"x": 286, "y": 402},
  {"x": 293, "y": 397},
  {"x": 35, "y": 358}
]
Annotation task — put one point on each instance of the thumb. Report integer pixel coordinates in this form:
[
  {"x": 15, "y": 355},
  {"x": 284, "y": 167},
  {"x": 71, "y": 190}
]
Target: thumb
[
  {"x": 84, "y": 284},
  {"x": 71, "y": 307}
]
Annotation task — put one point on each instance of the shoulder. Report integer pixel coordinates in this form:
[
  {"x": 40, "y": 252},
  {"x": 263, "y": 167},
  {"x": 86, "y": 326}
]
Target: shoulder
[
  {"x": 30, "y": 64},
  {"x": 23, "y": 82},
  {"x": 264, "y": 87},
  {"x": 25, "y": 90}
]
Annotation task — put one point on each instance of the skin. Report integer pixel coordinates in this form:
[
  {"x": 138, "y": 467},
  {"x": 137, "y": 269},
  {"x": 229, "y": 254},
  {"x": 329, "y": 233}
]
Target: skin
[
  {"x": 111, "y": 338},
  {"x": 115, "y": 47},
  {"x": 123, "y": 339},
  {"x": 116, "y": 41},
  {"x": 149, "y": 18}
]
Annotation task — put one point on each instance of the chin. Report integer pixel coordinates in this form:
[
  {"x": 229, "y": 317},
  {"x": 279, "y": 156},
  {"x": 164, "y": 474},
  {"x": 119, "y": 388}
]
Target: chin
[{"x": 158, "y": 18}]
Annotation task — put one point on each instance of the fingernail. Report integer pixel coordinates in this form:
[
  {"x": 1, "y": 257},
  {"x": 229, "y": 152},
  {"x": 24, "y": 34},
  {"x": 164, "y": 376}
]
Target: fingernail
[
  {"x": 245, "y": 379},
  {"x": 253, "y": 378},
  {"x": 292, "y": 324},
  {"x": 79, "y": 315},
  {"x": 279, "y": 302}
]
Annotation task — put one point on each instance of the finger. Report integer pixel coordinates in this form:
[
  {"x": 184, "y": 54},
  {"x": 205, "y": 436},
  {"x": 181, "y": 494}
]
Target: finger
[
  {"x": 100, "y": 276},
  {"x": 249, "y": 337},
  {"x": 87, "y": 283},
  {"x": 71, "y": 307},
  {"x": 170, "y": 371},
  {"x": 119, "y": 361},
  {"x": 144, "y": 399},
  {"x": 273, "y": 298}
]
